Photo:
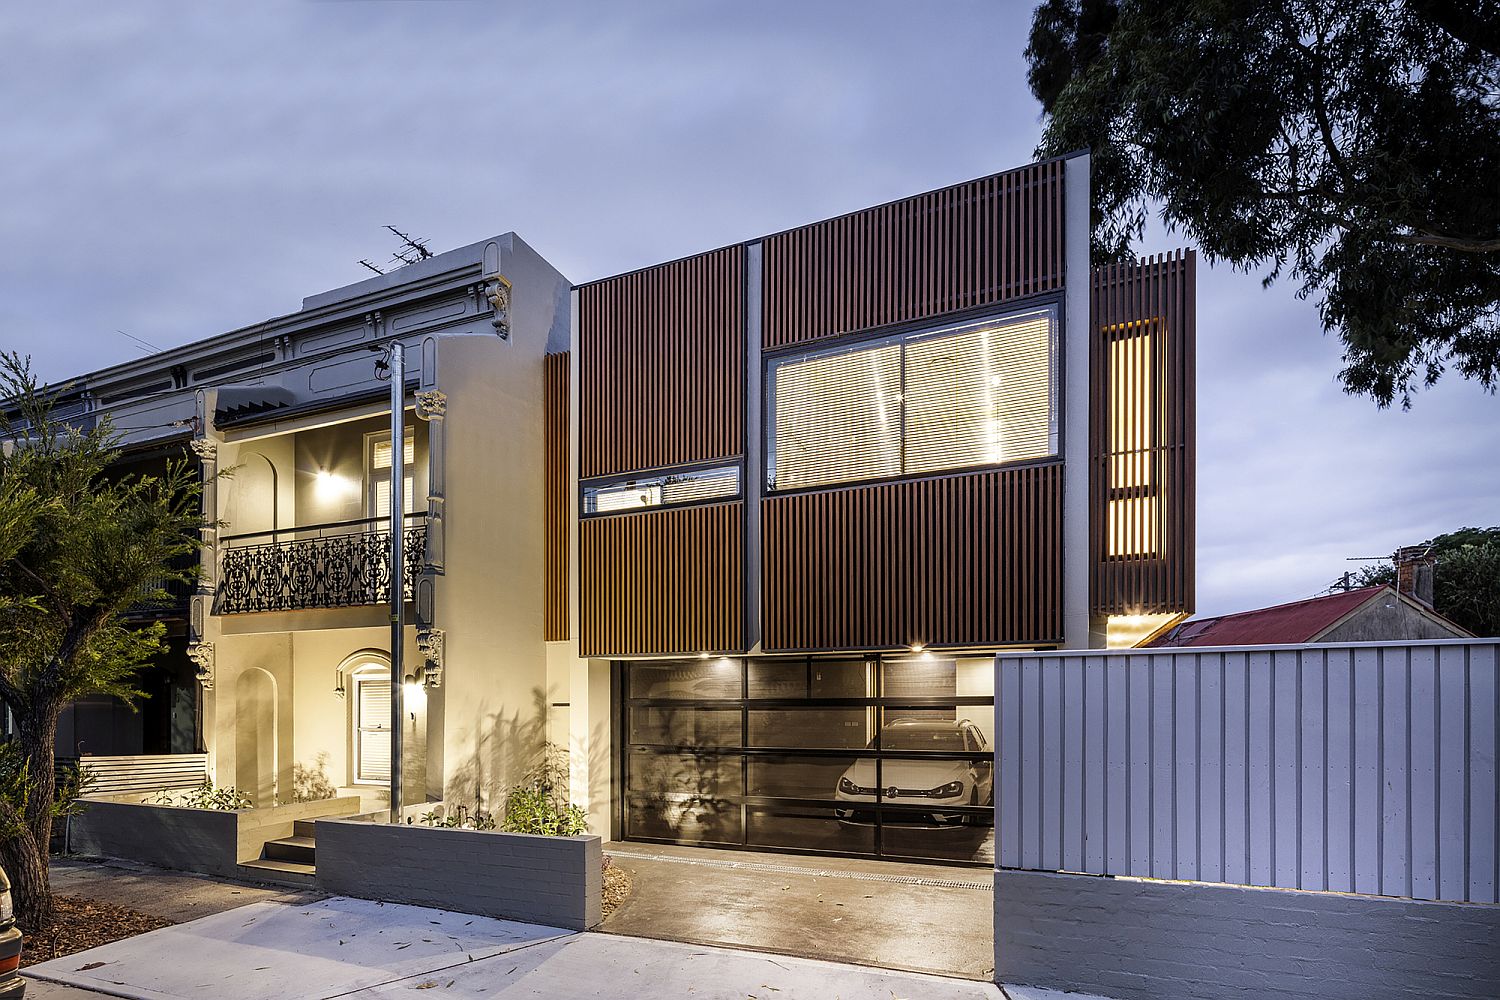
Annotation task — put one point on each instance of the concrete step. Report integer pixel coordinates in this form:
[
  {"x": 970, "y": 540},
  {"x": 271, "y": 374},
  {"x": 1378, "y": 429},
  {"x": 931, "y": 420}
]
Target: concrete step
[
  {"x": 288, "y": 873},
  {"x": 305, "y": 827},
  {"x": 302, "y": 850}
]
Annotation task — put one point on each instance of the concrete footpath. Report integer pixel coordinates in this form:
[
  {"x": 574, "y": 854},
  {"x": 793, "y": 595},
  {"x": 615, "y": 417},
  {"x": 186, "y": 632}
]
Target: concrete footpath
[{"x": 340, "y": 947}]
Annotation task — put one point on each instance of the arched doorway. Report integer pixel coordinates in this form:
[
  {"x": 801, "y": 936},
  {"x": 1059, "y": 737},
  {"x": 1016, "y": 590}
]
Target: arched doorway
[
  {"x": 255, "y": 727},
  {"x": 369, "y": 688}
]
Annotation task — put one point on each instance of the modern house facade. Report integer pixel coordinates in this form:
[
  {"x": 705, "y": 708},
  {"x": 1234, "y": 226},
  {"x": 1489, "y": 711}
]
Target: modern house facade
[
  {"x": 742, "y": 531},
  {"x": 824, "y": 475}
]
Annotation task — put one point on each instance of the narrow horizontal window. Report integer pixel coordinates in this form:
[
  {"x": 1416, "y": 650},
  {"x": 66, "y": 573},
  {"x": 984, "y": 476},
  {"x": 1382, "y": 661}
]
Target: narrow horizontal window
[
  {"x": 974, "y": 394},
  {"x": 702, "y": 486}
]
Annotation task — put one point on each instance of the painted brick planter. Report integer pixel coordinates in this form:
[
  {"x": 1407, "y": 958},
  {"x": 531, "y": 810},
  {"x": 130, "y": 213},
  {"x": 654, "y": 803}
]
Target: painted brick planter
[
  {"x": 545, "y": 880},
  {"x": 210, "y": 841}
]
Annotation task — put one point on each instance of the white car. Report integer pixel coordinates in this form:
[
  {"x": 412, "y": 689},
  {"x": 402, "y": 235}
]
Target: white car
[{"x": 906, "y": 782}]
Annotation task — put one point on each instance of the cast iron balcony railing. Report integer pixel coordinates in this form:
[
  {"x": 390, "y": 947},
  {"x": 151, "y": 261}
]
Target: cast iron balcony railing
[{"x": 335, "y": 565}]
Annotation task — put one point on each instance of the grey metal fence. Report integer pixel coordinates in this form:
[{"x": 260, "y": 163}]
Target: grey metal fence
[{"x": 1365, "y": 768}]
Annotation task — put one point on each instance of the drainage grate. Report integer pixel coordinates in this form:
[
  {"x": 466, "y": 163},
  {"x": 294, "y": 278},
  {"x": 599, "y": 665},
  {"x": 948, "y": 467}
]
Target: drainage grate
[{"x": 762, "y": 866}]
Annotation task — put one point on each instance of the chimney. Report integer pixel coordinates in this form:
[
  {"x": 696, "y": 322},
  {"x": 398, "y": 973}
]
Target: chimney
[{"x": 1414, "y": 568}]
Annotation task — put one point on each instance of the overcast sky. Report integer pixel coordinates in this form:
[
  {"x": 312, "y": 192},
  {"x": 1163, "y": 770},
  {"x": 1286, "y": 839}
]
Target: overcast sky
[{"x": 181, "y": 171}]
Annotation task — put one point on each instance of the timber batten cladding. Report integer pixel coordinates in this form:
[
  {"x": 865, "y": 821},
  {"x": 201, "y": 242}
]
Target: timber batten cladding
[
  {"x": 964, "y": 560},
  {"x": 558, "y": 498},
  {"x": 1142, "y": 435},
  {"x": 984, "y": 242},
  {"x": 662, "y": 365},
  {"x": 663, "y": 581}
]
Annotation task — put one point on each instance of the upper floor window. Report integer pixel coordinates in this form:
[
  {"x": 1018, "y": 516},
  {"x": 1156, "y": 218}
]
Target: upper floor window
[
  {"x": 973, "y": 394},
  {"x": 700, "y": 486},
  {"x": 378, "y": 481}
]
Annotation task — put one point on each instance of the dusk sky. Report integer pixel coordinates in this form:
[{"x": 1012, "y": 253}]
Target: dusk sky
[{"x": 181, "y": 171}]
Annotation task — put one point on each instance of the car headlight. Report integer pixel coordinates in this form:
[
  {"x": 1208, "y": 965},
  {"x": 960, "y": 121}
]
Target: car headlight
[
  {"x": 6, "y": 913},
  {"x": 948, "y": 791},
  {"x": 850, "y": 788}
]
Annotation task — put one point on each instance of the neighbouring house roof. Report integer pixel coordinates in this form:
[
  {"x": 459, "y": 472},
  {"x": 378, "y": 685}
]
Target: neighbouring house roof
[{"x": 1297, "y": 622}]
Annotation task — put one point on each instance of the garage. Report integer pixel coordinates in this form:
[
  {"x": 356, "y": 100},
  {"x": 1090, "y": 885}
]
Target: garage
[{"x": 871, "y": 756}]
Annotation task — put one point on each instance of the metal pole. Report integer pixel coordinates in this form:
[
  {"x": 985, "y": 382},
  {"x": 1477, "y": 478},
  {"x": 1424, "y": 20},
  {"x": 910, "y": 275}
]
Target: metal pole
[{"x": 398, "y": 565}]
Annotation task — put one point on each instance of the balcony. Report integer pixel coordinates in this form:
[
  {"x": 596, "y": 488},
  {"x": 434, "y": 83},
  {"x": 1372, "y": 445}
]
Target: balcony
[{"x": 341, "y": 564}]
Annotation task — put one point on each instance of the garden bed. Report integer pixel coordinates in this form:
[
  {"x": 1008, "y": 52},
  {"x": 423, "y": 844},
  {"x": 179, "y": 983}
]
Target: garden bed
[
  {"x": 210, "y": 841},
  {"x": 558, "y": 881},
  {"x": 81, "y": 924}
]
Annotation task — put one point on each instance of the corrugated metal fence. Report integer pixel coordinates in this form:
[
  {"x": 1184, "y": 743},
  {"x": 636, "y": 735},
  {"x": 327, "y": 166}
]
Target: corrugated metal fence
[{"x": 1366, "y": 768}]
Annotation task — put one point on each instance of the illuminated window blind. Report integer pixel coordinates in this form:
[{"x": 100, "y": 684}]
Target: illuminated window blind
[
  {"x": 977, "y": 394},
  {"x": 980, "y": 396},
  {"x": 838, "y": 416},
  {"x": 373, "y": 734},
  {"x": 380, "y": 476},
  {"x": 683, "y": 487},
  {"x": 1135, "y": 418}
]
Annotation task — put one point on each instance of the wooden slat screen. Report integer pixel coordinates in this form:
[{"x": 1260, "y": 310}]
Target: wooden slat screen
[
  {"x": 663, "y": 582},
  {"x": 557, "y": 497},
  {"x": 662, "y": 365},
  {"x": 963, "y": 560},
  {"x": 1142, "y": 441},
  {"x": 975, "y": 244}
]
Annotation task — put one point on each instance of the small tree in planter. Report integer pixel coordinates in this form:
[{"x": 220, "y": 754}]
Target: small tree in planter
[
  {"x": 78, "y": 549},
  {"x": 540, "y": 803}
]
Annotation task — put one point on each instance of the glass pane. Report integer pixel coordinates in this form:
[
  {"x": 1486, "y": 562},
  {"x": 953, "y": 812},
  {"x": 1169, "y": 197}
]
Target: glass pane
[
  {"x": 816, "y": 727},
  {"x": 685, "y": 726},
  {"x": 804, "y": 777},
  {"x": 808, "y": 828},
  {"x": 938, "y": 809},
  {"x": 837, "y": 416},
  {"x": 716, "y": 679},
  {"x": 980, "y": 395},
  {"x": 929, "y": 730},
  {"x": 799, "y": 679},
  {"x": 684, "y": 797},
  {"x": 924, "y": 677}
]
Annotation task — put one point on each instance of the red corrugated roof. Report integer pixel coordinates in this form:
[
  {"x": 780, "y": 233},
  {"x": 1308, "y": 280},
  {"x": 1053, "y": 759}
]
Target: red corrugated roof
[{"x": 1299, "y": 621}]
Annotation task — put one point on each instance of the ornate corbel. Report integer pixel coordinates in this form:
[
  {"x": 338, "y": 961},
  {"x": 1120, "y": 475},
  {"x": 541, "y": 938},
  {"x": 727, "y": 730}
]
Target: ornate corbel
[
  {"x": 206, "y": 448},
  {"x": 432, "y": 405},
  {"x": 497, "y": 289},
  {"x": 430, "y": 642},
  {"x": 202, "y": 654}
]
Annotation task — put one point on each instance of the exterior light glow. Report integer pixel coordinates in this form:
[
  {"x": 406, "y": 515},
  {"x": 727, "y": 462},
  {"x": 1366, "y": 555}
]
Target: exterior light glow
[
  {"x": 702, "y": 656},
  {"x": 917, "y": 647}
]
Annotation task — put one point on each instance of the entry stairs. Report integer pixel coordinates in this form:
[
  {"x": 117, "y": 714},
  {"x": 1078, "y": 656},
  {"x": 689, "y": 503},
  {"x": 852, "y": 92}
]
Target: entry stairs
[{"x": 289, "y": 861}]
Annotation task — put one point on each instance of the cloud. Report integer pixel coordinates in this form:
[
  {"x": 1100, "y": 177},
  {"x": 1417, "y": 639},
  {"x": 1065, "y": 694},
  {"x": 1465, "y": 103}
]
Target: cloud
[{"x": 179, "y": 171}]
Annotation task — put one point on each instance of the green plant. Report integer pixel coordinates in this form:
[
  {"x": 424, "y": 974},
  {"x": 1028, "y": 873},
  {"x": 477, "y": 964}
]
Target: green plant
[
  {"x": 18, "y": 789},
  {"x": 312, "y": 784},
  {"x": 540, "y": 804},
  {"x": 460, "y": 819},
  {"x": 206, "y": 796}
]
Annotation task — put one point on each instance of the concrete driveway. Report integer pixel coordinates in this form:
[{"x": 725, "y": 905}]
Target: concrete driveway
[
  {"x": 352, "y": 948},
  {"x": 922, "y": 918}
]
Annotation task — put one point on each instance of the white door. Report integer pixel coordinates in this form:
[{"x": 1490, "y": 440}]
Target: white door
[{"x": 372, "y": 726}]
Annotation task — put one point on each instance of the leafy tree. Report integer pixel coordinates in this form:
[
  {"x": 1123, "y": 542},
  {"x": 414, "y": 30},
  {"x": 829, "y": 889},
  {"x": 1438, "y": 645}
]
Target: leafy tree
[
  {"x": 78, "y": 548},
  {"x": 1466, "y": 582},
  {"x": 1354, "y": 146}
]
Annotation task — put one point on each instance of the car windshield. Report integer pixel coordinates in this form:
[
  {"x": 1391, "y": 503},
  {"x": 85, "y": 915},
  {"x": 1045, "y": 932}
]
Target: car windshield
[{"x": 899, "y": 737}]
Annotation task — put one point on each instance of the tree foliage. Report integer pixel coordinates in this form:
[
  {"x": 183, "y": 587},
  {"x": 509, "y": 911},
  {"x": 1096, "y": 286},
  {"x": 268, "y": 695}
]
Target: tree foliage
[
  {"x": 79, "y": 547},
  {"x": 1354, "y": 147},
  {"x": 1466, "y": 581}
]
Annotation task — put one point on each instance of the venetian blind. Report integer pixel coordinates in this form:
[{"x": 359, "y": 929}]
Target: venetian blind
[
  {"x": 374, "y": 729},
  {"x": 380, "y": 459},
  {"x": 838, "y": 417},
  {"x": 979, "y": 396}
]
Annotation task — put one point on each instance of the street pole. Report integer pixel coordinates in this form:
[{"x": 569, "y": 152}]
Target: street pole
[{"x": 398, "y": 565}]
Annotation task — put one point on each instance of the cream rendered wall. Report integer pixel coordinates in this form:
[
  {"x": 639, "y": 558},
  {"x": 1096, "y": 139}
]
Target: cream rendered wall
[
  {"x": 489, "y": 599},
  {"x": 271, "y": 653},
  {"x": 339, "y": 450}
]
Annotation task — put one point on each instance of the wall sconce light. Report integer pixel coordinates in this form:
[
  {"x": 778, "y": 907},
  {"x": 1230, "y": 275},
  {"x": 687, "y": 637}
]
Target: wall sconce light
[
  {"x": 414, "y": 694},
  {"x": 338, "y": 685}
]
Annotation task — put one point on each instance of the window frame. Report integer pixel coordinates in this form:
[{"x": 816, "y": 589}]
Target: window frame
[
  {"x": 370, "y": 672},
  {"x": 372, "y": 483},
  {"x": 586, "y": 486},
  {"x": 915, "y": 332}
]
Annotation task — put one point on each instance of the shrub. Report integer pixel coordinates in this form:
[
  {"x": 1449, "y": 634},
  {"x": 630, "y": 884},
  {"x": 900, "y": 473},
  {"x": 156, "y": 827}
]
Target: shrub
[
  {"x": 539, "y": 804},
  {"x": 205, "y": 796},
  {"x": 312, "y": 784}
]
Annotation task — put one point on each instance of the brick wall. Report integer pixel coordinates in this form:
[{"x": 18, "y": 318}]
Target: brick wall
[
  {"x": 556, "y": 881},
  {"x": 1146, "y": 940}
]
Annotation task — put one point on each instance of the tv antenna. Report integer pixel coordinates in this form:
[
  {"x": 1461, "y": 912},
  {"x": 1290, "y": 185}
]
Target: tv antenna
[
  {"x": 411, "y": 250},
  {"x": 144, "y": 345},
  {"x": 372, "y": 267}
]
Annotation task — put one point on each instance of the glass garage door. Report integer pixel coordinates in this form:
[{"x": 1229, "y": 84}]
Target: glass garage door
[{"x": 875, "y": 757}]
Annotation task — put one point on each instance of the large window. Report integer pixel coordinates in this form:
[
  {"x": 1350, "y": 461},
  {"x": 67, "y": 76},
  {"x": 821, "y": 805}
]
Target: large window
[
  {"x": 372, "y": 725},
  {"x": 1135, "y": 454},
  {"x": 974, "y": 394},
  {"x": 378, "y": 485}
]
